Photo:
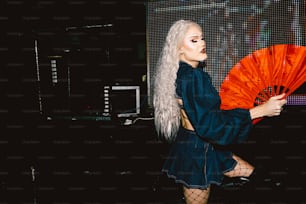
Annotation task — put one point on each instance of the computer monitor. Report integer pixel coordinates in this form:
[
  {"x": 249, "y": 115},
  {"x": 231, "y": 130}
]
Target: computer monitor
[{"x": 125, "y": 100}]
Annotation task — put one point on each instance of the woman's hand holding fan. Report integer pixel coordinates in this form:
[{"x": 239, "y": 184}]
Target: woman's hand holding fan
[{"x": 263, "y": 74}]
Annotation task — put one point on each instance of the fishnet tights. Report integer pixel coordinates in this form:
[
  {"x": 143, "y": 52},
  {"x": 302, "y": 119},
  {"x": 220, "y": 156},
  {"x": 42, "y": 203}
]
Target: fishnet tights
[
  {"x": 199, "y": 196},
  {"x": 196, "y": 196},
  {"x": 242, "y": 168}
]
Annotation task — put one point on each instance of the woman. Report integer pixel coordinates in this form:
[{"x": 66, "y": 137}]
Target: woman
[{"x": 187, "y": 113}]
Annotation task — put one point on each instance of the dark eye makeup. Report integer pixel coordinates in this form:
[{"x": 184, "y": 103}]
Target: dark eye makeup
[{"x": 196, "y": 40}]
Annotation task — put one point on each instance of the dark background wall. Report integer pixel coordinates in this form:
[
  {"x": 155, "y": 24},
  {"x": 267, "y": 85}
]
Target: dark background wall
[
  {"x": 89, "y": 161},
  {"x": 97, "y": 42}
]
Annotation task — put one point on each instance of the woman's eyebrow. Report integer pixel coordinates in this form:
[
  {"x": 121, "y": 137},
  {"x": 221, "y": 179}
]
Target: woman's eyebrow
[{"x": 195, "y": 36}]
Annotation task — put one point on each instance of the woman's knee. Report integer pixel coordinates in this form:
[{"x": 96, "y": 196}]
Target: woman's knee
[
  {"x": 196, "y": 196},
  {"x": 242, "y": 168}
]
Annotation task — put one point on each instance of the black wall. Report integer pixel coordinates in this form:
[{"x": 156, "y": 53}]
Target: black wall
[
  {"x": 91, "y": 161},
  {"x": 93, "y": 42}
]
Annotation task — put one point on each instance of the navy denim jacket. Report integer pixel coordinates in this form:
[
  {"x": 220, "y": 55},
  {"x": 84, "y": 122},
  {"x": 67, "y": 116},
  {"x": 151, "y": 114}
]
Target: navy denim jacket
[{"x": 201, "y": 102}]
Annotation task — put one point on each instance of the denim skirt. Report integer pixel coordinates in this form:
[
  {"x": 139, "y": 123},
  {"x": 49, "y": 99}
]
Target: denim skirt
[{"x": 196, "y": 163}]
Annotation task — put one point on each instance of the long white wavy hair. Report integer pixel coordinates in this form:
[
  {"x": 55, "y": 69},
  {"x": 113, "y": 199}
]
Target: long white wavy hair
[{"x": 166, "y": 109}]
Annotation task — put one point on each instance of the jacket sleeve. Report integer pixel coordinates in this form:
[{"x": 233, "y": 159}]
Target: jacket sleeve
[{"x": 202, "y": 105}]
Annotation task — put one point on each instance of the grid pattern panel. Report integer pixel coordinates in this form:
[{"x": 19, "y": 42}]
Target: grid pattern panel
[{"x": 232, "y": 29}]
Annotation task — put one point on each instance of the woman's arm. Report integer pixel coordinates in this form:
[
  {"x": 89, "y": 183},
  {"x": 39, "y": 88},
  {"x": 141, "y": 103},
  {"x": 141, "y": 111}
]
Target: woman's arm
[{"x": 272, "y": 107}]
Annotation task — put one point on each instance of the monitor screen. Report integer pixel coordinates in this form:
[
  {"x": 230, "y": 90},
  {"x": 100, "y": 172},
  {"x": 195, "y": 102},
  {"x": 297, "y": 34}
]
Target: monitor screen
[{"x": 125, "y": 101}]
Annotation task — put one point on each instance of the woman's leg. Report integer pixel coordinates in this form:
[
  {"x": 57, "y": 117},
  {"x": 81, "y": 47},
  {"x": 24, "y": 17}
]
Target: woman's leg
[
  {"x": 242, "y": 168},
  {"x": 246, "y": 173},
  {"x": 196, "y": 196}
]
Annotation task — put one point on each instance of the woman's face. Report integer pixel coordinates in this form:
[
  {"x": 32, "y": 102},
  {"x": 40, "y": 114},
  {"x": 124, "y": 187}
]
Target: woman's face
[{"x": 193, "y": 48}]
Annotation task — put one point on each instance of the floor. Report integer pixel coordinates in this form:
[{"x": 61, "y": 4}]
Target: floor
[
  {"x": 134, "y": 190},
  {"x": 89, "y": 163}
]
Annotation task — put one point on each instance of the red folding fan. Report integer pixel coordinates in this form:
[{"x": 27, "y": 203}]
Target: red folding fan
[{"x": 264, "y": 73}]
